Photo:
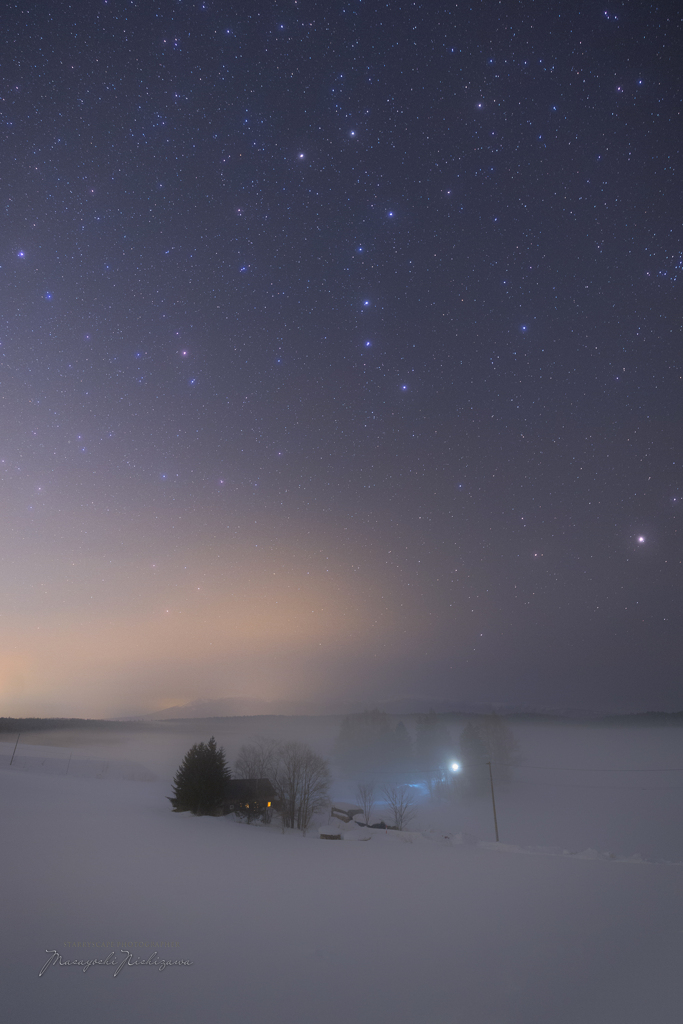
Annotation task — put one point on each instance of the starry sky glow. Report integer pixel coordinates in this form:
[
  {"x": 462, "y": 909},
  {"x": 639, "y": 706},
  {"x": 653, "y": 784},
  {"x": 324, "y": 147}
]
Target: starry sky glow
[{"x": 340, "y": 353}]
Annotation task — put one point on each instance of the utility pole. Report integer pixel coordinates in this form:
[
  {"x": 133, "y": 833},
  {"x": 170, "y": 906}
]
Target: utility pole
[
  {"x": 493, "y": 800},
  {"x": 15, "y": 748}
]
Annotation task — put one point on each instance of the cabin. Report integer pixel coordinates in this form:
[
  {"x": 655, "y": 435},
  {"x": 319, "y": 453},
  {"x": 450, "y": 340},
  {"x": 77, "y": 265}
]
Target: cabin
[{"x": 250, "y": 798}]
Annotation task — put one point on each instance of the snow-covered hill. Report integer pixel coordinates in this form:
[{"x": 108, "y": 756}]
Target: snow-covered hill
[{"x": 435, "y": 927}]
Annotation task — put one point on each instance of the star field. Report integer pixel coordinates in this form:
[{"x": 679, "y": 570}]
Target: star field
[{"x": 347, "y": 336}]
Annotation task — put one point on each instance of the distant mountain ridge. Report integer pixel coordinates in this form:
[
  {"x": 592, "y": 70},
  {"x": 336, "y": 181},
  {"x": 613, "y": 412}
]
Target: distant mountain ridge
[
  {"x": 197, "y": 711},
  {"x": 229, "y": 707}
]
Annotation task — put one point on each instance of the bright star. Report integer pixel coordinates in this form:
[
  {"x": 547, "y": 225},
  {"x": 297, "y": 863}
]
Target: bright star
[{"x": 641, "y": 540}]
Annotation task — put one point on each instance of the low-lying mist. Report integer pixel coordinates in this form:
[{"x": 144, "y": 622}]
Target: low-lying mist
[{"x": 613, "y": 786}]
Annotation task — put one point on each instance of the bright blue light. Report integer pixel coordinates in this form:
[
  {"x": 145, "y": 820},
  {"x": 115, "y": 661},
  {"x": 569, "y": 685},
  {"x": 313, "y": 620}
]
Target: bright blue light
[{"x": 455, "y": 767}]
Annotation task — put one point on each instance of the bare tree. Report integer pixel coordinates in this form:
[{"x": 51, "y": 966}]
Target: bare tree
[
  {"x": 366, "y": 798},
  {"x": 258, "y": 760},
  {"x": 302, "y": 782},
  {"x": 315, "y": 788},
  {"x": 300, "y": 776},
  {"x": 401, "y": 802}
]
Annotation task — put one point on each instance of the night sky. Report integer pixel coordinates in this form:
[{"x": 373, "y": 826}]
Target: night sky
[{"x": 340, "y": 353}]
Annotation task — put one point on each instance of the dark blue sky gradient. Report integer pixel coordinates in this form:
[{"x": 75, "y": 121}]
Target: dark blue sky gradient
[{"x": 385, "y": 296}]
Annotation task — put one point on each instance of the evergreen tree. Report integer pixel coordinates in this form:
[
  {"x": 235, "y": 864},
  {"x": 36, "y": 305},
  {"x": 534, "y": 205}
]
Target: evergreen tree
[{"x": 200, "y": 784}]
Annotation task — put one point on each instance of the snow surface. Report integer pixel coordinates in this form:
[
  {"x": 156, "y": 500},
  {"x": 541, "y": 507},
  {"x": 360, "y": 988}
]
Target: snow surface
[{"x": 433, "y": 926}]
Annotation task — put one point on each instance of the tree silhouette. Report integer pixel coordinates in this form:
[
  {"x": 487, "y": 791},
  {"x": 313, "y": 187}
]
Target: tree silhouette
[
  {"x": 302, "y": 783},
  {"x": 402, "y": 804},
  {"x": 366, "y": 798},
  {"x": 200, "y": 783}
]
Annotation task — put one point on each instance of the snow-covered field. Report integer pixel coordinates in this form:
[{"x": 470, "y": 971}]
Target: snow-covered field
[{"x": 281, "y": 927}]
